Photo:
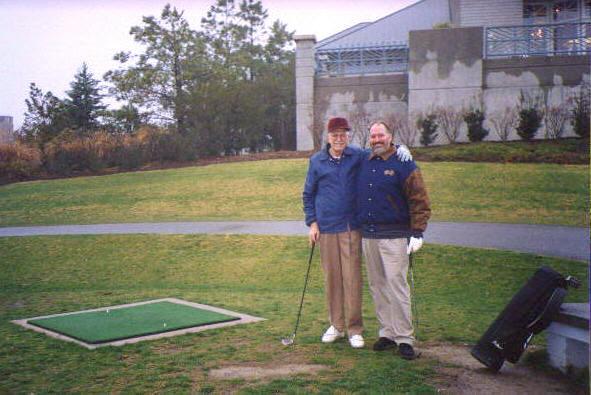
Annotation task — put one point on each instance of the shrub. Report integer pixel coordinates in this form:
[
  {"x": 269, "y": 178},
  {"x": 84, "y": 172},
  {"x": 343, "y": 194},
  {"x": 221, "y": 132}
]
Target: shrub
[
  {"x": 474, "y": 119},
  {"x": 555, "y": 118},
  {"x": 580, "y": 111},
  {"x": 359, "y": 120},
  {"x": 428, "y": 126},
  {"x": 65, "y": 157},
  {"x": 530, "y": 116},
  {"x": 404, "y": 132},
  {"x": 163, "y": 145},
  {"x": 449, "y": 120},
  {"x": 504, "y": 121},
  {"x": 18, "y": 162}
]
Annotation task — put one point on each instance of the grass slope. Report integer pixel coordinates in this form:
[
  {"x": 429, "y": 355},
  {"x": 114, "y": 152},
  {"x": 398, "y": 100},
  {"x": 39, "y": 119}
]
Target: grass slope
[
  {"x": 565, "y": 151},
  {"x": 263, "y": 190},
  {"x": 459, "y": 292}
]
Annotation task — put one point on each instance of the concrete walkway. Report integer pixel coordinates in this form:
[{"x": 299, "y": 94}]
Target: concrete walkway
[{"x": 549, "y": 240}]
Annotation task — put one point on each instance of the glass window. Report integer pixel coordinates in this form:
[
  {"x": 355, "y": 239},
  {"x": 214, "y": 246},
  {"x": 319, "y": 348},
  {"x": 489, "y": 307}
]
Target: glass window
[
  {"x": 587, "y": 9},
  {"x": 563, "y": 11},
  {"x": 535, "y": 12}
]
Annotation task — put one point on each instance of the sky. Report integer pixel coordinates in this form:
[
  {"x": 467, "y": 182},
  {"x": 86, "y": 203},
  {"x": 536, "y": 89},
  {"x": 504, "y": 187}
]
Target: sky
[{"x": 46, "y": 41}]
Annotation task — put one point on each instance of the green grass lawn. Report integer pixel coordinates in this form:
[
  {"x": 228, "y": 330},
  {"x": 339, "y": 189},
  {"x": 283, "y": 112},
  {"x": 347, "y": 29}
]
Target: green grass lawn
[
  {"x": 459, "y": 293},
  {"x": 266, "y": 190}
]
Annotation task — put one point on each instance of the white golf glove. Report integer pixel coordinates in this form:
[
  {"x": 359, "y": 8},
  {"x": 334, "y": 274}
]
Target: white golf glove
[
  {"x": 414, "y": 244},
  {"x": 403, "y": 153}
]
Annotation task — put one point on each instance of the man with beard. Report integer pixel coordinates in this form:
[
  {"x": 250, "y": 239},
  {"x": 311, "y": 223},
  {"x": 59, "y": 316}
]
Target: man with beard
[{"x": 393, "y": 211}]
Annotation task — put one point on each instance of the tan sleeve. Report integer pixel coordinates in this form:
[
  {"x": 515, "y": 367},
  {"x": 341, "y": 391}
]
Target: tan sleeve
[{"x": 418, "y": 201}]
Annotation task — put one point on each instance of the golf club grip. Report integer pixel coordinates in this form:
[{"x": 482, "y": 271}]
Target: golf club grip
[{"x": 305, "y": 286}]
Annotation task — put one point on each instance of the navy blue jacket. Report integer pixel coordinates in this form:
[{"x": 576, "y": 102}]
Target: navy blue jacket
[
  {"x": 329, "y": 195},
  {"x": 392, "y": 199}
]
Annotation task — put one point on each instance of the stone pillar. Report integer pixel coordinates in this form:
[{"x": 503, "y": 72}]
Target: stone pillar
[{"x": 304, "y": 77}]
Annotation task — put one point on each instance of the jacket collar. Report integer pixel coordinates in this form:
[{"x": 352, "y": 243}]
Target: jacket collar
[
  {"x": 386, "y": 155},
  {"x": 324, "y": 155}
]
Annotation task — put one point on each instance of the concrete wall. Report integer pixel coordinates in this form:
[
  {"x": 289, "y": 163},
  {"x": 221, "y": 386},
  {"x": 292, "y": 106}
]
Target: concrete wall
[
  {"x": 445, "y": 70},
  {"x": 6, "y": 129},
  {"x": 361, "y": 99},
  {"x": 554, "y": 79}
]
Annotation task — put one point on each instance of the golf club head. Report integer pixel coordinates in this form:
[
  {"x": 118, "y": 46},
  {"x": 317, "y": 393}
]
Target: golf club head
[{"x": 287, "y": 341}]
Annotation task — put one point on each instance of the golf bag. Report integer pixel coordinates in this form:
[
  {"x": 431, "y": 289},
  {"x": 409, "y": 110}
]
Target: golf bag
[{"x": 529, "y": 312}]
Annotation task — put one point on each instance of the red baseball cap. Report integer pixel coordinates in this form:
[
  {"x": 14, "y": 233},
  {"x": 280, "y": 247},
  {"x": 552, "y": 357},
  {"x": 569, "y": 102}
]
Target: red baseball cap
[{"x": 337, "y": 123}]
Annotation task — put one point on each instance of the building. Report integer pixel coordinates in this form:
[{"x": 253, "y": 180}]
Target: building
[
  {"x": 438, "y": 55},
  {"x": 6, "y": 129}
]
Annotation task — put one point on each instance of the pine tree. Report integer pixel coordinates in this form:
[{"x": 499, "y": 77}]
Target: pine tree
[
  {"x": 173, "y": 61},
  {"x": 45, "y": 117},
  {"x": 84, "y": 101}
]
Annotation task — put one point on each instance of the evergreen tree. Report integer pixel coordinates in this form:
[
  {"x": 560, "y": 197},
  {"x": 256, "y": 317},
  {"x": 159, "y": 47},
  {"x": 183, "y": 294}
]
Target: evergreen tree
[
  {"x": 45, "y": 117},
  {"x": 84, "y": 101},
  {"x": 173, "y": 61},
  {"x": 224, "y": 35},
  {"x": 474, "y": 119},
  {"x": 427, "y": 125},
  {"x": 125, "y": 119}
]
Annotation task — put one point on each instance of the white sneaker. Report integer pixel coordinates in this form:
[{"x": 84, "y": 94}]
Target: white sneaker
[
  {"x": 331, "y": 335},
  {"x": 356, "y": 341}
]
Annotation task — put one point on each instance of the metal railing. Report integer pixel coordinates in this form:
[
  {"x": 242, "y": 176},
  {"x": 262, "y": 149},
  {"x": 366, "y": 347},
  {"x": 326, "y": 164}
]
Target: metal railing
[
  {"x": 373, "y": 59},
  {"x": 572, "y": 38}
]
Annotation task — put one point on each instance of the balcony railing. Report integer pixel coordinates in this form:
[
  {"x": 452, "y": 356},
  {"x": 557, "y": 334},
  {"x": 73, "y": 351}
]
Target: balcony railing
[
  {"x": 374, "y": 59},
  {"x": 573, "y": 38}
]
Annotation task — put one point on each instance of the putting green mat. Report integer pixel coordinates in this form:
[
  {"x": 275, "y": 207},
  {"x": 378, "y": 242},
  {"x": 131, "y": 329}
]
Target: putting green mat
[{"x": 131, "y": 321}]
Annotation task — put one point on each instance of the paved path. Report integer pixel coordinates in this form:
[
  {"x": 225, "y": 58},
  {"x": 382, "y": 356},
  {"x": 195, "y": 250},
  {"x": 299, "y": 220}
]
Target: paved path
[{"x": 549, "y": 240}]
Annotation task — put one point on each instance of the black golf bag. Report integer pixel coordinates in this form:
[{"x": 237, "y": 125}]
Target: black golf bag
[{"x": 529, "y": 312}]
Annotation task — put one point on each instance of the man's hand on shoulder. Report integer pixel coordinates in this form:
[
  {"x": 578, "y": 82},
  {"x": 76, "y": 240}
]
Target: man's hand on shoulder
[{"x": 403, "y": 153}]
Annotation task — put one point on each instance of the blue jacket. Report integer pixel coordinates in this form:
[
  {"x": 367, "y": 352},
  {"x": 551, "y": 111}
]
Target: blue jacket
[
  {"x": 330, "y": 190},
  {"x": 392, "y": 199}
]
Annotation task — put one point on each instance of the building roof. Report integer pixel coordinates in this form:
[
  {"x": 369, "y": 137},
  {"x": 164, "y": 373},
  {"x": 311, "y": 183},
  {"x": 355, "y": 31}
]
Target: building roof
[
  {"x": 392, "y": 28},
  {"x": 338, "y": 35}
]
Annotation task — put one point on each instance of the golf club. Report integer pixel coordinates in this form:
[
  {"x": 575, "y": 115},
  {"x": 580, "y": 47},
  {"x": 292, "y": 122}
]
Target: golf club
[
  {"x": 287, "y": 341},
  {"x": 415, "y": 309}
]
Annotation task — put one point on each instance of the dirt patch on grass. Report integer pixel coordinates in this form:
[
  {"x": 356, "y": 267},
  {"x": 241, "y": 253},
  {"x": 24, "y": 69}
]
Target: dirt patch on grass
[
  {"x": 264, "y": 372},
  {"x": 460, "y": 373}
]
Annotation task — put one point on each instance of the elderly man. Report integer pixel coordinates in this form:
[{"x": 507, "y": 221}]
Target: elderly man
[
  {"x": 393, "y": 210},
  {"x": 329, "y": 199}
]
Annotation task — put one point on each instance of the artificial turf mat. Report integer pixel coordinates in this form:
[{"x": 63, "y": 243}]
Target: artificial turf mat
[{"x": 131, "y": 321}]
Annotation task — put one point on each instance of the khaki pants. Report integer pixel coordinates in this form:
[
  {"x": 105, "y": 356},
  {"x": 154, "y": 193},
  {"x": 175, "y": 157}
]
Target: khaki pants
[
  {"x": 387, "y": 267},
  {"x": 340, "y": 254}
]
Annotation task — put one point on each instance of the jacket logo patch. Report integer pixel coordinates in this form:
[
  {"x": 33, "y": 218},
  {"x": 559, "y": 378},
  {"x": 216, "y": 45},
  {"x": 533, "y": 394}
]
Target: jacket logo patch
[{"x": 389, "y": 172}]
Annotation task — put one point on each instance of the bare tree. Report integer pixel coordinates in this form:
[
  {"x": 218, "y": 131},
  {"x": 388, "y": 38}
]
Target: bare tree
[
  {"x": 555, "y": 118},
  {"x": 404, "y": 132},
  {"x": 359, "y": 120},
  {"x": 316, "y": 128},
  {"x": 504, "y": 121},
  {"x": 449, "y": 120}
]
